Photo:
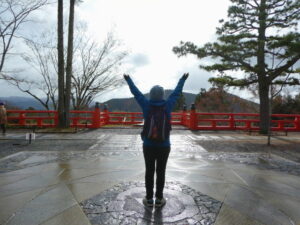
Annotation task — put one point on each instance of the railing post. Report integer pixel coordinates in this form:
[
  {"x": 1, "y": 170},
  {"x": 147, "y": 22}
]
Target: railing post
[
  {"x": 297, "y": 123},
  {"x": 231, "y": 121},
  {"x": 39, "y": 122},
  {"x": 214, "y": 124},
  {"x": 248, "y": 125},
  {"x": 280, "y": 125},
  {"x": 96, "y": 116},
  {"x": 106, "y": 114},
  {"x": 22, "y": 119},
  {"x": 55, "y": 118},
  {"x": 183, "y": 116},
  {"x": 193, "y": 118}
]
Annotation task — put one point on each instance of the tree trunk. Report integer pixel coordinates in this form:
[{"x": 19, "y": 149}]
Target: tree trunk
[
  {"x": 61, "y": 69},
  {"x": 69, "y": 62},
  {"x": 264, "y": 107},
  {"x": 263, "y": 81}
]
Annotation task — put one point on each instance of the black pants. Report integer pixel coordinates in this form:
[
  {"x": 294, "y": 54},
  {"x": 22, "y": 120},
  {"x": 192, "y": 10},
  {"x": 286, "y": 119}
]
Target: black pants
[
  {"x": 158, "y": 156},
  {"x": 3, "y": 128}
]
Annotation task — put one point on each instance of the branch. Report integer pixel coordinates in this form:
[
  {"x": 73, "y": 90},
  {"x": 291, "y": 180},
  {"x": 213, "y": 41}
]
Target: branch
[
  {"x": 9, "y": 28},
  {"x": 17, "y": 82},
  {"x": 229, "y": 81},
  {"x": 277, "y": 72}
]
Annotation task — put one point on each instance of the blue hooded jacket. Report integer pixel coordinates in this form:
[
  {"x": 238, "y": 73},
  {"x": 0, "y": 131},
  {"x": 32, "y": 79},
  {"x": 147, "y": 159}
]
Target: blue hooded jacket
[{"x": 145, "y": 105}]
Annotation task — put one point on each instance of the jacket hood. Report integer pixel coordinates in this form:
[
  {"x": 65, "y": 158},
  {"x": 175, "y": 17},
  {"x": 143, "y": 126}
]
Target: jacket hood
[{"x": 157, "y": 93}]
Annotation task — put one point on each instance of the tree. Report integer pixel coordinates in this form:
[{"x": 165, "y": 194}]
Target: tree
[
  {"x": 95, "y": 69},
  {"x": 283, "y": 104},
  {"x": 42, "y": 59},
  {"x": 64, "y": 102},
  {"x": 69, "y": 62},
  {"x": 13, "y": 14},
  {"x": 60, "y": 64},
  {"x": 257, "y": 34}
]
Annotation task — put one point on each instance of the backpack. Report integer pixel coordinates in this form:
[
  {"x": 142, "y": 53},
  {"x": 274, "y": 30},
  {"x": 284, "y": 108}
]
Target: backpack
[{"x": 157, "y": 125}]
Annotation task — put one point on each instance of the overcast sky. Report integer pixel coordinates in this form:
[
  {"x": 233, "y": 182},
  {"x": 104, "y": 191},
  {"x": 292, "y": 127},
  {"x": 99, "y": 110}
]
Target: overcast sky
[{"x": 149, "y": 29}]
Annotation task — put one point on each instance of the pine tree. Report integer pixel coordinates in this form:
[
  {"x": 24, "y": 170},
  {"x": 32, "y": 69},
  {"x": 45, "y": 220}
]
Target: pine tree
[{"x": 259, "y": 40}]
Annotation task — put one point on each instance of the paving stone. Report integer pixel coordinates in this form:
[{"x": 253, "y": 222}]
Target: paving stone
[
  {"x": 255, "y": 206},
  {"x": 72, "y": 216},
  {"x": 44, "y": 207},
  {"x": 229, "y": 216},
  {"x": 9, "y": 205}
]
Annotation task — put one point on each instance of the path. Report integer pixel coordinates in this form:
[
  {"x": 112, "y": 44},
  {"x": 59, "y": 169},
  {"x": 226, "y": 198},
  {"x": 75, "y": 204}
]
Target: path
[{"x": 97, "y": 177}]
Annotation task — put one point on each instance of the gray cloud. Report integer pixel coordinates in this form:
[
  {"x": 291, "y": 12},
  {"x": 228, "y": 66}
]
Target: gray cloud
[
  {"x": 8, "y": 90},
  {"x": 138, "y": 59}
]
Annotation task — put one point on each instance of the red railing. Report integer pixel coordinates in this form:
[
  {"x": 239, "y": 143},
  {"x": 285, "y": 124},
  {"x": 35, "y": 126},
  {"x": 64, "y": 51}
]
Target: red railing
[
  {"x": 190, "y": 119},
  {"x": 126, "y": 118},
  {"x": 44, "y": 118}
]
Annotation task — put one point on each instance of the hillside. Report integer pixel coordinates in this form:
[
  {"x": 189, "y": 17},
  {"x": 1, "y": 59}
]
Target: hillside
[
  {"x": 130, "y": 105},
  {"x": 210, "y": 101},
  {"x": 21, "y": 102},
  {"x": 215, "y": 100}
]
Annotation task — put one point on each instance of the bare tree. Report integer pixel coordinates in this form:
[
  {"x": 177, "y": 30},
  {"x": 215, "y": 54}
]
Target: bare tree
[
  {"x": 43, "y": 60},
  {"x": 14, "y": 13},
  {"x": 95, "y": 69}
]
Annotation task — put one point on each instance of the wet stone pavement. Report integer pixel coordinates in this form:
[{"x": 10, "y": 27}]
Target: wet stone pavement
[
  {"x": 122, "y": 204},
  {"x": 97, "y": 177}
]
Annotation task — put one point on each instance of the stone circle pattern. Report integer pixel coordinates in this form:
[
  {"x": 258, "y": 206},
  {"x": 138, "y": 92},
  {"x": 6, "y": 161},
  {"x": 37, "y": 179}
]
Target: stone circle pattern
[{"x": 122, "y": 204}]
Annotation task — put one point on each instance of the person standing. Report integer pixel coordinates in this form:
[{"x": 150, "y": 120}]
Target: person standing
[
  {"x": 3, "y": 118},
  {"x": 156, "y": 135}
]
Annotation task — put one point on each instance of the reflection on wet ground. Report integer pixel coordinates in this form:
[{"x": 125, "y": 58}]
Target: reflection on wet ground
[{"x": 97, "y": 177}]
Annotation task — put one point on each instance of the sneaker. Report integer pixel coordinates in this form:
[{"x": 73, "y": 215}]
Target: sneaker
[
  {"x": 160, "y": 202},
  {"x": 148, "y": 202}
]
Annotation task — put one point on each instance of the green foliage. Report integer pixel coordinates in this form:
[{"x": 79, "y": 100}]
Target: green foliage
[{"x": 259, "y": 40}]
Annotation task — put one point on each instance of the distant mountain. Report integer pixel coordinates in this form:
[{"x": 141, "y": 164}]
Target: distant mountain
[
  {"x": 211, "y": 101},
  {"x": 21, "y": 102},
  {"x": 130, "y": 105}
]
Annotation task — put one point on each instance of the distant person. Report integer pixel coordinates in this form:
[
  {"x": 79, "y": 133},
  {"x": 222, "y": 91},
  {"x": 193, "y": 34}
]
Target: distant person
[
  {"x": 156, "y": 135},
  {"x": 3, "y": 118}
]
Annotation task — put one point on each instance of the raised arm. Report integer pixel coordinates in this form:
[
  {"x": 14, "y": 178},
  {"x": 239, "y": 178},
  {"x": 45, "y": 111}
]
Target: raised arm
[
  {"x": 177, "y": 91},
  {"x": 140, "y": 98}
]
